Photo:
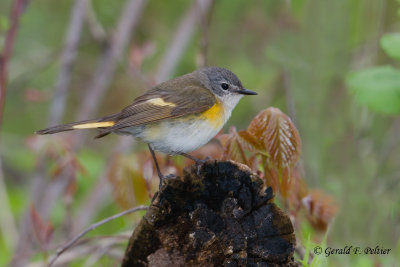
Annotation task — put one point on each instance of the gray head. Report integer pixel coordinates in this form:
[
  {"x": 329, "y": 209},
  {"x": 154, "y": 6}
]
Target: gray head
[{"x": 223, "y": 82}]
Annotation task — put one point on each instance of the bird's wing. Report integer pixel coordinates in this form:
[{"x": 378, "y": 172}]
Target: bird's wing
[{"x": 158, "y": 104}]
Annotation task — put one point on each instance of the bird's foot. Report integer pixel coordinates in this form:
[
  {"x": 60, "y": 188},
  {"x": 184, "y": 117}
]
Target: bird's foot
[
  {"x": 200, "y": 162},
  {"x": 165, "y": 177}
]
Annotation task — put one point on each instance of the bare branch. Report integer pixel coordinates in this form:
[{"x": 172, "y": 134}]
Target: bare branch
[
  {"x": 105, "y": 70},
  {"x": 205, "y": 21},
  {"x": 73, "y": 241},
  {"x": 87, "y": 247},
  {"x": 95, "y": 28},
  {"x": 68, "y": 57},
  {"x": 181, "y": 39}
]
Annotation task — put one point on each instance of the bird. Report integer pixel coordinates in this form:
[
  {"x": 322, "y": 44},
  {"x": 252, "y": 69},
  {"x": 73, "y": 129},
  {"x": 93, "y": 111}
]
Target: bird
[{"x": 174, "y": 117}]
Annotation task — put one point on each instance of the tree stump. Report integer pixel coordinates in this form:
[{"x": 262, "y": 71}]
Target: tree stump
[{"x": 219, "y": 216}]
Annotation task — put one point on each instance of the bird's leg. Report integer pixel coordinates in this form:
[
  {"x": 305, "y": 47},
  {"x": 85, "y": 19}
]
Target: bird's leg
[
  {"x": 160, "y": 175},
  {"x": 198, "y": 162}
]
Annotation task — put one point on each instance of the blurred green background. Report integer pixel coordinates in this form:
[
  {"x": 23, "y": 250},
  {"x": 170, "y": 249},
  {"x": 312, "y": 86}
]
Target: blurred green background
[{"x": 305, "y": 57}]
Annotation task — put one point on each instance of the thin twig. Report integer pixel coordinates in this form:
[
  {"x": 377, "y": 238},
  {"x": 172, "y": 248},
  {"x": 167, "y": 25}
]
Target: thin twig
[
  {"x": 73, "y": 241},
  {"x": 95, "y": 28},
  {"x": 68, "y": 57},
  {"x": 205, "y": 21},
  {"x": 82, "y": 251}
]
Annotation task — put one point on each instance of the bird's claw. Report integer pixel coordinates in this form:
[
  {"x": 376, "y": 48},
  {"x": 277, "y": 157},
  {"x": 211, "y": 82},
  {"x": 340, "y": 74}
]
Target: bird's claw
[
  {"x": 200, "y": 162},
  {"x": 165, "y": 177}
]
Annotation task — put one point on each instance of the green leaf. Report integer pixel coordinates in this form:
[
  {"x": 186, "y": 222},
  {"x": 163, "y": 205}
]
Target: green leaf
[
  {"x": 378, "y": 88},
  {"x": 4, "y": 23},
  {"x": 297, "y": 6},
  {"x": 391, "y": 44}
]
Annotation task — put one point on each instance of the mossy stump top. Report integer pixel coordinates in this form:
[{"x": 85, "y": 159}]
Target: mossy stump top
[{"x": 219, "y": 216}]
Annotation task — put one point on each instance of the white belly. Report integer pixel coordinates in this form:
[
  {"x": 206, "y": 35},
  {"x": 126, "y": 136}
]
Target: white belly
[{"x": 175, "y": 136}]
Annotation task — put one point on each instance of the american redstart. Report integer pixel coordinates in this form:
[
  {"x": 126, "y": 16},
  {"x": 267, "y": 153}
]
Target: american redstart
[{"x": 176, "y": 116}]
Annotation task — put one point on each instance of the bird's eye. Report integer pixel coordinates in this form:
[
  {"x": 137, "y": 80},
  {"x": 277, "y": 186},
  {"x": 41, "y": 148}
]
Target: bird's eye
[{"x": 225, "y": 86}]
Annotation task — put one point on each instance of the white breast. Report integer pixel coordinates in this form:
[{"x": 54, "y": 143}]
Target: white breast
[{"x": 173, "y": 137}]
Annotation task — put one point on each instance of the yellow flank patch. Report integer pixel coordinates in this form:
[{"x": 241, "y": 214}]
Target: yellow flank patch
[
  {"x": 153, "y": 131},
  {"x": 94, "y": 125},
  {"x": 215, "y": 114},
  {"x": 160, "y": 102}
]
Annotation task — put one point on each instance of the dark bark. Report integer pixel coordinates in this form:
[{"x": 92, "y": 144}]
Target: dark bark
[{"x": 219, "y": 217}]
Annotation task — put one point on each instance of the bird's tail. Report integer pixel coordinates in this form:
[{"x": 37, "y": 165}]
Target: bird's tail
[{"x": 88, "y": 124}]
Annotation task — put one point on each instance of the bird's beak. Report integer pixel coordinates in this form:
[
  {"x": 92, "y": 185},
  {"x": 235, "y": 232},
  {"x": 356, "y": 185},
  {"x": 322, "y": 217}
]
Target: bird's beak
[{"x": 244, "y": 91}]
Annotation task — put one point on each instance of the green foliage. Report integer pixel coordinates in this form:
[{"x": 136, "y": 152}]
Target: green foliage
[
  {"x": 5, "y": 252},
  {"x": 298, "y": 6},
  {"x": 4, "y": 23},
  {"x": 378, "y": 88},
  {"x": 390, "y": 43},
  {"x": 308, "y": 249}
]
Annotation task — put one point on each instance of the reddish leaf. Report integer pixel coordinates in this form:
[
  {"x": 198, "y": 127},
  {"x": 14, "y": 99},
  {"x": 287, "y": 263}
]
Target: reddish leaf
[
  {"x": 77, "y": 165},
  {"x": 43, "y": 231},
  {"x": 279, "y": 136},
  {"x": 297, "y": 188},
  {"x": 285, "y": 182},
  {"x": 254, "y": 163},
  {"x": 129, "y": 187},
  {"x": 71, "y": 166},
  {"x": 233, "y": 149},
  {"x": 249, "y": 142},
  {"x": 34, "y": 95},
  {"x": 139, "y": 53},
  {"x": 320, "y": 208},
  {"x": 271, "y": 177},
  {"x": 71, "y": 189}
]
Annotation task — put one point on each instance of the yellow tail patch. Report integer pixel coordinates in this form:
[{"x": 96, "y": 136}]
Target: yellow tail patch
[{"x": 94, "y": 125}]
